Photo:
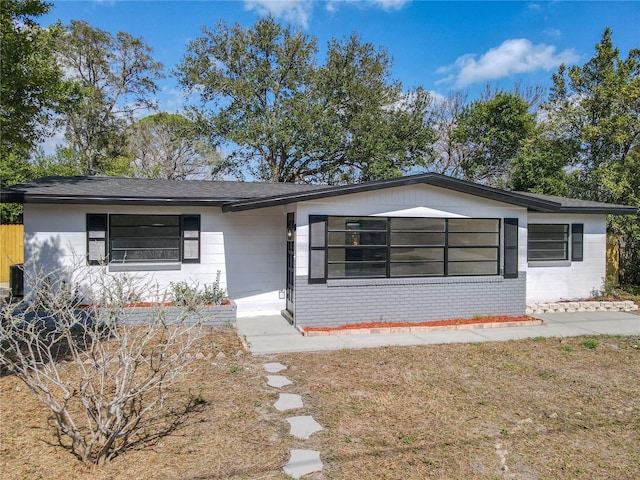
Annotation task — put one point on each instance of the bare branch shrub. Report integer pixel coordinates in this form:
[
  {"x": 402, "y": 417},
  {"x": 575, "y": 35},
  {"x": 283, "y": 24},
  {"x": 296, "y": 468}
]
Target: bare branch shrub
[{"x": 104, "y": 378}]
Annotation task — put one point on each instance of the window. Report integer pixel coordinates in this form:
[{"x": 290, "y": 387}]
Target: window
[
  {"x": 143, "y": 238},
  {"x": 382, "y": 247},
  {"x": 548, "y": 242}
]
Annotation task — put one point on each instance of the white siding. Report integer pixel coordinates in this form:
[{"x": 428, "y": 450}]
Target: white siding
[
  {"x": 407, "y": 201},
  {"x": 579, "y": 279},
  {"x": 248, "y": 248}
]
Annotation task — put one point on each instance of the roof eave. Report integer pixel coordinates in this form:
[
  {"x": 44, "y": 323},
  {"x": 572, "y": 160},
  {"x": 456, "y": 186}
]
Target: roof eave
[{"x": 13, "y": 197}]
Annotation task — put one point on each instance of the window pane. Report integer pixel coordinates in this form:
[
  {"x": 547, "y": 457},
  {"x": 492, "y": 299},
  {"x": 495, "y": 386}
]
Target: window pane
[
  {"x": 317, "y": 232},
  {"x": 145, "y": 231},
  {"x": 96, "y": 250},
  {"x": 357, "y": 254},
  {"x": 133, "y": 255},
  {"x": 473, "y": 254},
  {"x": 357, "y": 223},
  {"x": 547, "y": 255},
  {"x": 412, "y": 254},
  {"x": 144, "y": 242},
  {"x": 473, "y": 268},
  {"x": 149, "y": 220},
  {"x": 357, "y": 238},
  {"x": 191, "y": 250},
  {"x": 416, "y": 269},
  {"x": 424, "y": 224},
  {"x": 316, "y": 264},
  {"x": 459, "y": 239},
  {"x": 347, "y": 270},
  {"x": 416, "y": 238},
  {"x": 473, "y": 225}
]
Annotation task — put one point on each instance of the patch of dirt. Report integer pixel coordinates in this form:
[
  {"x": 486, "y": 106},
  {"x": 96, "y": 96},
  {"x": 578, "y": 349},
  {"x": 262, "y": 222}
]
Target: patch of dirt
[{"x": 530, "y": 409}]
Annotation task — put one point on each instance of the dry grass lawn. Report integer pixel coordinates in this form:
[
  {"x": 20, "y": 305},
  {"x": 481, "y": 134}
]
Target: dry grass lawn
[{"x": 532, "y": 409}]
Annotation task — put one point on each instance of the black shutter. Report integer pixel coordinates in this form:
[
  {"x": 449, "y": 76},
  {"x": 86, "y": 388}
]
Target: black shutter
[
  {"x": 510, "y": 248},
  {"x": 96, "y": 238},
  {"x": 317, "y": 249},
  {"x": 190, "y": 238},
  {"x": 577, "y": 237}
]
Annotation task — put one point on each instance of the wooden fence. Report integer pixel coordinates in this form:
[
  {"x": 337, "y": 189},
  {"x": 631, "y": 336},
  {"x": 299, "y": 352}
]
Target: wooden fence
[
  {"x": 613, "y": 259},
  {"x": 11, "y": 248}
]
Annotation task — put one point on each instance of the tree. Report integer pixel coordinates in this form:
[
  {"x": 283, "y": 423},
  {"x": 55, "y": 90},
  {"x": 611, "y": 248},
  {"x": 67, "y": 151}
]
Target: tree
[
  {"x": 103, "y": 378},
  {"x": 115, "y": 78},
  {"x": 491, "y": 133},
  {"x": 450, "y": 155},
  {"x": 31, "y": 90},
  {"x": 292, "y": 120},
  {"x": 596, "y": 108},
  {"x": 172, "y": 147},
  {"x": 31, "y": 86},
  {"x": 541, "y": 166},
  {"x": 594, "y": 112}
]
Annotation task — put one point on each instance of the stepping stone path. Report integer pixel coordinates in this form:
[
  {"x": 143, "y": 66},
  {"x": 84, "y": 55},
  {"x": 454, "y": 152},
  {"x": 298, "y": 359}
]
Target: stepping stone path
[
  {"x": 301, "y": 462},
  {"x": 274, "y": 367},
  {"x": 304, "y": 426},
  {"x": 278, "y": 381},
  {"x": 288, "y": 401}
]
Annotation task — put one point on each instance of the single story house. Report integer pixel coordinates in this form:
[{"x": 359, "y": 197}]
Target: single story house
[{"x": 415, "y": 248}]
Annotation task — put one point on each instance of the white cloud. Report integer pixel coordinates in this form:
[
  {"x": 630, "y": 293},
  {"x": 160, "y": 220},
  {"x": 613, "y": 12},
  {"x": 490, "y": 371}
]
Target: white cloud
[
  {"x": 512, "y": 57},
  {"x": 296, "y": 12},
  {"x": 386, "y": 5},
  {"x": 389, "y": 4}
]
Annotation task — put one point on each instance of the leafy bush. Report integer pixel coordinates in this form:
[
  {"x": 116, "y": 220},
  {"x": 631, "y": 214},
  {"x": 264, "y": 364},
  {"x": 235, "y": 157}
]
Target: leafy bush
[{"x": 191, "y": 296}]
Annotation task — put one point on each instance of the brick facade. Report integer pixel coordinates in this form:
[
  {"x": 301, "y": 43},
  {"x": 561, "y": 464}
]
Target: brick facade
[{"x": 340, "y": 302}]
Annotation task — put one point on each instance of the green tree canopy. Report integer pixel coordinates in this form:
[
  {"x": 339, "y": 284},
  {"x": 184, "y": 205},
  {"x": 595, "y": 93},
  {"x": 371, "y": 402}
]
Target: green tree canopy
[
  {"x": 492, "y": 133},
  {"x": 289, "y": 119},
  {"x": 31, "y": 86}
]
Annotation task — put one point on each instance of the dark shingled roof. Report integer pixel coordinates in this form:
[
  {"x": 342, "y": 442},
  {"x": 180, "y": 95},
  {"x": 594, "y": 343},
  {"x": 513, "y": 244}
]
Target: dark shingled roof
[
  {"x": 114, "y": 190},
  {"x": 236, "y": 196}
]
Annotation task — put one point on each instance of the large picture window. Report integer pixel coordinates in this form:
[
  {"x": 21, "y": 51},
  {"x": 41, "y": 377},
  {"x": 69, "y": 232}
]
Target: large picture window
[
  {"x": 143, "y": 238},
  {"x": 386, "y": 247}
]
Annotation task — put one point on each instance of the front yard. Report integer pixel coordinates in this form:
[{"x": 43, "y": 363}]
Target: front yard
[{"x": 531, "y": 409}]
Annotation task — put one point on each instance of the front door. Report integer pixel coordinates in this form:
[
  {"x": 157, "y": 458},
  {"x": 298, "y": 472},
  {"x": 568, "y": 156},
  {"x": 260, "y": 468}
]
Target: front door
[{"x": 291, "y": 264}]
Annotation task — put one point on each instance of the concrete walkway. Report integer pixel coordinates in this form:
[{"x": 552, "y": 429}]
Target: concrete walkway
[{"x": 273, "y": 334}]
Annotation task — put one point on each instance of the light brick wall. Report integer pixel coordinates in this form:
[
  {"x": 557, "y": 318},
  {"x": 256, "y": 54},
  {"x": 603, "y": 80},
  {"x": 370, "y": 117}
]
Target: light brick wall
[{"x": 342, "y": 302}]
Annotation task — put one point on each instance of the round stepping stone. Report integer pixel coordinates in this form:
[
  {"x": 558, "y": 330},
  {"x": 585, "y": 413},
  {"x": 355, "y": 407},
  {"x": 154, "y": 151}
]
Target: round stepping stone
[
  {"x": 278, "y": 381},
  {"x": 288, "y": 401},
  {"x": 303, "y": 462},
  {"x": 303, "y": 426},
  {"x": 274, "y": 367}
]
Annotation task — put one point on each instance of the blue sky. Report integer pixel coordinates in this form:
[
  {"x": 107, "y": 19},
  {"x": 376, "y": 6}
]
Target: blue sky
[{"x": 441, "y": 46}]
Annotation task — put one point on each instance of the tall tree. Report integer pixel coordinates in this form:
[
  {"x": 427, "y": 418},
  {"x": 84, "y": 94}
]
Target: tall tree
[
  {"x": 595, "y": 108},
  {"x": 492, "y": 132},
  {"x": 594, "y": 112},
  {"x": 169, "y": 146},
  {"x": 31, "y": 86},
  {"x": 31, "y": 89},
  {"x": 289, "y": 119},
  {"x": 115, "y": 77}
]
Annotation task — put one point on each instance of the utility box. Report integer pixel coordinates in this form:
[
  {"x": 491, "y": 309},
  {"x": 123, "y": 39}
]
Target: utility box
[{"x": 16, "y": 280}]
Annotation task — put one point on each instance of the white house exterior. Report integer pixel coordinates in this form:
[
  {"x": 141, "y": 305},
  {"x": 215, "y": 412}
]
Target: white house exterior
[{"x": 418, "y": 248}]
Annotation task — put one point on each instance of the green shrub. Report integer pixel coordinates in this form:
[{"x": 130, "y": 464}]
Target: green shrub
[{"x": 191, "y": 296}]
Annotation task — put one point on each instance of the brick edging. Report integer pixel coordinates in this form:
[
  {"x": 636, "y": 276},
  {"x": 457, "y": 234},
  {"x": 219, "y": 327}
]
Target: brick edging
[
  {"x": 418, "y": 328},
  {"x": 586, "y": 306}
]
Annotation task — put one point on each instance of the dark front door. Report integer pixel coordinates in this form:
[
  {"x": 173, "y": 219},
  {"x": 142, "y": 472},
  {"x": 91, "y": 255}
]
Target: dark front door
[{"x": 291, "y": 256}]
